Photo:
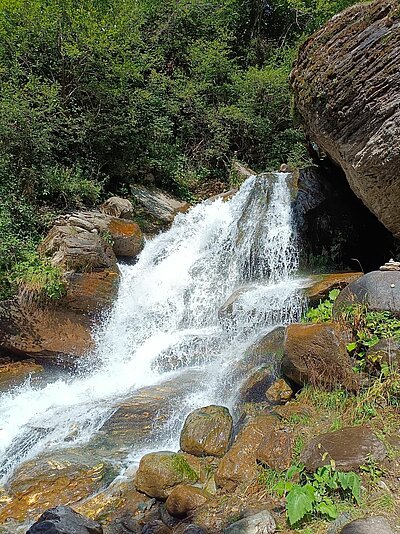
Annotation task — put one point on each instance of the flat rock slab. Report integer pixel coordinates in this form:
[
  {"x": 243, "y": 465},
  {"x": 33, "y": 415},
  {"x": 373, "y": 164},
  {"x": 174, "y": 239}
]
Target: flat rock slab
[
  {"x": 368, "y": 525},
  {"x": 262, "y": 523},
  {"x": 349, "y": 447},
  {"x": 322, "y": 284}
]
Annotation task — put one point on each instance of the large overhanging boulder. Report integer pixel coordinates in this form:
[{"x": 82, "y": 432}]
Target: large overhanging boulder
[{"x": 347, "y": 89}]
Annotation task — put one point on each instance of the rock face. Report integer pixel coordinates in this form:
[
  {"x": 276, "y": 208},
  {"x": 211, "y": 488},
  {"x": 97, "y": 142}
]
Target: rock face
[
  {"x": 63, "y": 520},
  {"x": 156, "y": 207},
  {"x": 239, "y": 463},
  {"x": 349, "y": 447},
  {"x": 13, "y": 373},
  {"x": 378, "y": 291},
  {"x": 347, "y": 89},
  {"x": 368, "y": 525},
  {"x": 276, "y": 449},
  {"x": 207, "y": 432},
  {"x": 261, "y": 523},
  {"x": 317, "y": 354},
  {"x": 160, "y": 472}
]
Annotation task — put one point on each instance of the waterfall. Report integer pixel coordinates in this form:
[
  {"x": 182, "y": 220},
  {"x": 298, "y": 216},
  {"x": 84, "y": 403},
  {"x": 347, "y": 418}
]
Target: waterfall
[{"x": 165, "y": 324}]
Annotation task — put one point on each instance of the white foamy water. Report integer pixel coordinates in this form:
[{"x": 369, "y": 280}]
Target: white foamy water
[{"x": 165, "y": 321}]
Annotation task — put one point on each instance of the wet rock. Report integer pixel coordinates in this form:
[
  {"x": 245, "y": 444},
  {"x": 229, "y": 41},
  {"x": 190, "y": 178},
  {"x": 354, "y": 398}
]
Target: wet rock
[
  {"x": 160, "y": 472},
  {"x": 279, "y": 392},
  {"x": 316, "y": 354},
  {"x": 183, "y": 499},
  {"x": 64, "y": 520},
  {"x": 14, "y": 372},
  {"x": 349, "y": 447},
  {"x": 90, "y": 293},
  {"x": 255, "y": 387},
  {"x": 276, "y": 449},
  {"x": 385, "y": 351},
  {"x": 52, "y": 479},
  {"x": 323, "y": 284},
  {"x": 335, "y": 81},
  {"x": 226, "y": 313},
  {"x": 118, "y": 207},
  {"x": 261, "y": 523},
  {"x": 207, "y": 432},
  {"x": 157, "y": 208},
  {"x": 368, "y": 525},
  {"x": 156, "y": 527},
  {"x": 377, "y": 290},
  {"x": 76, "y": 249},
  {"x": 239, "y": 463},
  {"x": 189, "y": 529},
  {"x": 44, "y": 332}
]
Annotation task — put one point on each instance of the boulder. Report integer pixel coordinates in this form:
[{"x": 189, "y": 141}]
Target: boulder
[
  {"x": 349, "y": 447},
  {"x": 156, "y": 208},
  {"x": 51, "y": 479},
  {"x": 347, "y": 89},
  {"x": 155, "y": 527},
  {"x": 183, "y": 499},
  {"x": 377, "y": 290},
  {"x": 118, "y": 207},
  {"x": 279, "y": 392},
  {"x": 255, "y": 387},
  {"x": 160, "y": 472},
  {"x": 316, "y": 354},
  {"x": 368, "y": 525},
  {"x": 276, "y": 449},
  {"x": 385, "y": 351},
  {"x": 261, "y": 523},
  {"x": 239, "y": 463},
  {"x": 64, "y": 520},
  {"x": 207, "y": 431},
  {"x": 46, "y": 332},
  {"x": 323, "y": 284}
]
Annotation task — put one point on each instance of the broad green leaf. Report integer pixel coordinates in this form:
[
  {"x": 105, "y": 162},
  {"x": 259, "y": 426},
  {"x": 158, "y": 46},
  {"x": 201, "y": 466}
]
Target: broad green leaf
[
  {"x": 351, "y": 346},
  {"x": 328, "y": 509},
  {"x": 299, "y": 502}
]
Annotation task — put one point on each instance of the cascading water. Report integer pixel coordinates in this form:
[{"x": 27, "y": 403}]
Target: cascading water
[{"x": 165, "y": 324}]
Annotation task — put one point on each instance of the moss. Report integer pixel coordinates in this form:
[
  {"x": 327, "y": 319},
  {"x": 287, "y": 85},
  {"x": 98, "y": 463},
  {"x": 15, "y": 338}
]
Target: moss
[{"x": 181, "y": 466}]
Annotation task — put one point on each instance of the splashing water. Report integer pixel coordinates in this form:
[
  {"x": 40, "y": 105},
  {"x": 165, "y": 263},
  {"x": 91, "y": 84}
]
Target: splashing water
[{"x": 165, "y": 324}]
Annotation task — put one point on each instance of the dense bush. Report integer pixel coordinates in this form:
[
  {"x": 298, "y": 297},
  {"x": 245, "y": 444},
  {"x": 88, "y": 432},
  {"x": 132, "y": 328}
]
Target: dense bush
[{"x": 100, "y": 93}]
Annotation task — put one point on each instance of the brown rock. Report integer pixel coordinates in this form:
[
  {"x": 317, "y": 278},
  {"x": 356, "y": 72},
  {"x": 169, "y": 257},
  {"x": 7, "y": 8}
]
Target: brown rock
[
  {"x": 347, "y": 89},
  {"x": 276, "y": 449},
  {"x": 207, "y": 431},
  {"x": 44, "y": 332},
  {"x": 160, "y": 472},
  {"x": 323, "y": 284},
  {"x": 50, "y": 480},
  {"x": 316, "y": 354},
  {"x": 279, "y": 392},
  {"x": 118, "y": 207},
  {"x": 184, "y": 499},
  {"x": 349, "y": 447},
  {"x": 255, "y": 387},
  {"x": 90, "y": 292},
  {"x": 127, "y": 237},
  {"x": 13, "y": 373},
  {"x": 239, "y": 463}
]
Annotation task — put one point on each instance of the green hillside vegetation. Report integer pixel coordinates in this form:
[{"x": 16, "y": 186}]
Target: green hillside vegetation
[{"x": 98, "y": 94}]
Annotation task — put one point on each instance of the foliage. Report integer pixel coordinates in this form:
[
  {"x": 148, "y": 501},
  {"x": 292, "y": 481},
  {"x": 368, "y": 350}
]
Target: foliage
[
  {"x": 39, "y": 277},
  {"x": 311, "y": 495},
  {"x": 369, "y": 327},
  {"x": 98, "y": 95},
  {"x": 323, "y": 312}
]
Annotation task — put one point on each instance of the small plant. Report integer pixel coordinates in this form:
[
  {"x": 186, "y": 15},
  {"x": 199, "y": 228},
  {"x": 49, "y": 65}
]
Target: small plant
[
  {"x": 374, "y": 471},
  {"x": 107, "y": 237},
  {"x": 323, "y": 312},
  {"x": 315, "y": 494},
  {"x": 39, "y": 277}
]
